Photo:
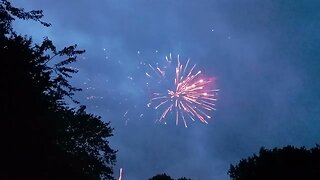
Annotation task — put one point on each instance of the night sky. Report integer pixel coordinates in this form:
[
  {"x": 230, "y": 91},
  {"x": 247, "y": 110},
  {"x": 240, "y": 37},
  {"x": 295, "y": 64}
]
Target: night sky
[{"x": 264, "y": 56}]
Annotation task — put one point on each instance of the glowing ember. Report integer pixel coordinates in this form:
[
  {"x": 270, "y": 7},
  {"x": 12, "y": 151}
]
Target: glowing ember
[{"x": 120, "y": 174}]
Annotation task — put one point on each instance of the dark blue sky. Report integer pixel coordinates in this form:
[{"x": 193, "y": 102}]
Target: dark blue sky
[{"x": 264, "y": 54}]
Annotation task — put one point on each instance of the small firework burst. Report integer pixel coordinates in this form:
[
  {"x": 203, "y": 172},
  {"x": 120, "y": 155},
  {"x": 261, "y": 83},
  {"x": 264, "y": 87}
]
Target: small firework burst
[{"x": 191, "y": 95}]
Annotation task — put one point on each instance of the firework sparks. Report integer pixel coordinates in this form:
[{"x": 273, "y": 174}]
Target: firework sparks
[
  {"x": 120, "y": 174},
  {"x": 192, "y": 95}
]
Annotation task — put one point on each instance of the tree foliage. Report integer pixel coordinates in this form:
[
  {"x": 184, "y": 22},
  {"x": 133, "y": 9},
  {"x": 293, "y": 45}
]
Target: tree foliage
[
  {"x": 164, "y": 176},
  {"x": 285, "y": 163},
  {"x": 184, "y": 178},
  {"x": 41, "y": 137}
]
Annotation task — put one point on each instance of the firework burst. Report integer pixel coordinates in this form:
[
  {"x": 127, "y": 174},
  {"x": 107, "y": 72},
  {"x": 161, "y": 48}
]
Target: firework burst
[{"x": 192, "y": 95}]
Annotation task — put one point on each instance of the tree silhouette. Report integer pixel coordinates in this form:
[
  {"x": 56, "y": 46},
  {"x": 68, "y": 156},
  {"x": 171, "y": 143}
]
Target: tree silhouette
[
  {"x": 286, "y": 163},
  {"x": 164, "y": 176},
  {"x": 41, "y": 137},
  {"x": 184, "y": 178}
]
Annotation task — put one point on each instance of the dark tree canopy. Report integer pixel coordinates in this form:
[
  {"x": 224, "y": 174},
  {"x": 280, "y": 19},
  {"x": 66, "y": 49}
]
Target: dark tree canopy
[
  {"x": 184, "y": 178},
  {"x": 285, "y": 163},
  {"x": 41, "y": 137},
  {"x": 164, "y": 176}
]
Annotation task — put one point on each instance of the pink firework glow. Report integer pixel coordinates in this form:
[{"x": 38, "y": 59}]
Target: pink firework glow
[
  {"x": 192, "y": 96},
  {"x": 120, "y": 174}
]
